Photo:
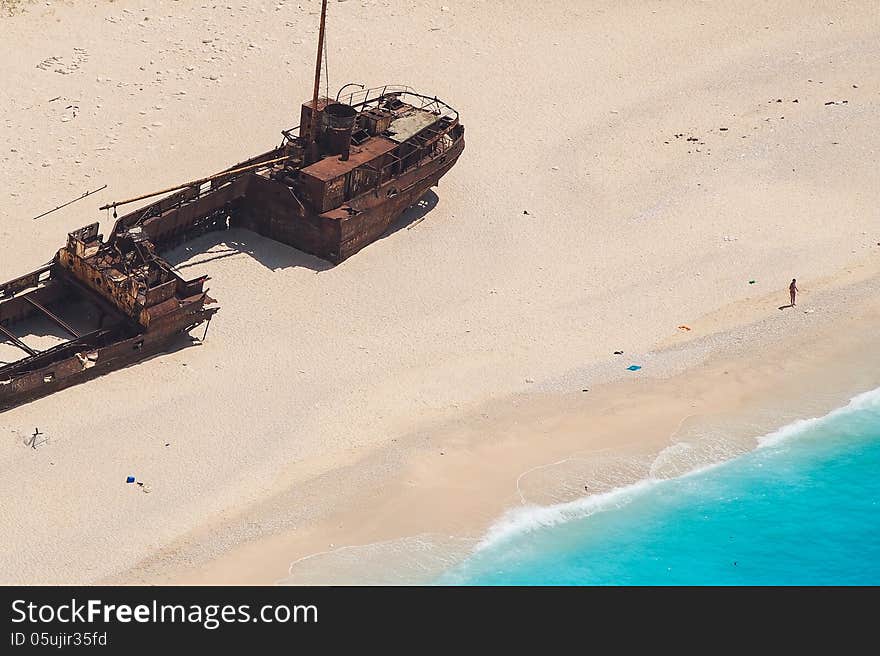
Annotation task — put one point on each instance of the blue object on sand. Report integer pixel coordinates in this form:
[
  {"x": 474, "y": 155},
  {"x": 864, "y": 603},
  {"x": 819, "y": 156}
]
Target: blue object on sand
[
  {"x": 130, "y": 479},
  {"x": 634, "y": 367}
]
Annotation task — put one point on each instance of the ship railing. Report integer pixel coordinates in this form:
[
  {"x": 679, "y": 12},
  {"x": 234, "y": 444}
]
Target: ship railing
[
  {"x": 432, "y": 149},
  {"x": 30, "y": 281},
  {"x": 363, "y": 98}
]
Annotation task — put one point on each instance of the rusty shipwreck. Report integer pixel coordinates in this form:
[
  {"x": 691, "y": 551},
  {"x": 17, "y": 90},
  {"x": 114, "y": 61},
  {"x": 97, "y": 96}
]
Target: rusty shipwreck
[{"x": 334, "y": 184}]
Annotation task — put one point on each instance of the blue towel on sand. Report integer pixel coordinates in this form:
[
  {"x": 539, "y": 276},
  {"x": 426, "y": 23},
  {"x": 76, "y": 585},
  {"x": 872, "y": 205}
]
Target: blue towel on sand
[{"x": 634, "y": 367}]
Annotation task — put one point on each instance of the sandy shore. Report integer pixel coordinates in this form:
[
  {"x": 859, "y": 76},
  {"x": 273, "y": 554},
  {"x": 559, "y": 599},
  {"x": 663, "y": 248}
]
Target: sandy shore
[
  {"x": 404, "y": 513},
  {"x": 316, "y": 411}
]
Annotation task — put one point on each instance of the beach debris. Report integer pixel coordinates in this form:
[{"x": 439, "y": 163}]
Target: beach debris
[
  {"x": 809, "y": 311},
  {"x": 526, "y": 212},
  {"x": 752, "y": 282},
  {"x": 34, "y": 442},
  {"x": 684, "y": 328},
  {"x": 634, "y": 367},
  {"x": 530, "y": 380},
  {"x": 618, "y": 353},
  {"x": 723, "y": 129},
  {"x": 585, "y": 390},
  {"x": 836, "y": 102},
  {"x": 146, "y": 489}
]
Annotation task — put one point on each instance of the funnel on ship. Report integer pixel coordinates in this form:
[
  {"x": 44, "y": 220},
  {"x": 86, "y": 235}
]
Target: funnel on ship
[{"x": 339, "y": 120}]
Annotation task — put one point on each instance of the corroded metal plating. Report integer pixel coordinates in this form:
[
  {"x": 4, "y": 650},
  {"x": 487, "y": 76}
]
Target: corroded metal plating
[{"x": 329, "y": 192}]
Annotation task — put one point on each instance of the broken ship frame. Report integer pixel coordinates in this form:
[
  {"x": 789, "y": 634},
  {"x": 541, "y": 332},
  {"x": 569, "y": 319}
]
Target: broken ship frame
[{"x": 335, "y": 184}]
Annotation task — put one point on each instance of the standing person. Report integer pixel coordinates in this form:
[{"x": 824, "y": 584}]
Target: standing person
[{"x": 793, "y": 290}]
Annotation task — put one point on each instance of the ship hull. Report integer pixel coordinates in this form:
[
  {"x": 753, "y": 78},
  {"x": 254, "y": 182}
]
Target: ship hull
[
  {"x": 119, "y": 301},
  {"x": 99, "y": 336},
  {"x": 259, "y": 205},
  {"x": 379, "y": 210},
  {"x": 70, "y": 371},
  {"x": 267, "y": 208}
]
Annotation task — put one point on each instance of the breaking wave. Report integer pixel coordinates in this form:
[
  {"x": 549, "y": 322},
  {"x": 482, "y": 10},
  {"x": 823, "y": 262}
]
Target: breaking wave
[
  {"x": 533, "y": 517},
  {"x": 551, "y": 495}
]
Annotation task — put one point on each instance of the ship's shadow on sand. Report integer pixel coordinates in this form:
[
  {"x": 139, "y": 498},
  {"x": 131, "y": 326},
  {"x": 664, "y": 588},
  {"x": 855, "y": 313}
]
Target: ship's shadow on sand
[
  {"x": 272, "y": 254},
  {"x": 207, "y": 248},
  {"x": 414, "y": 213}
]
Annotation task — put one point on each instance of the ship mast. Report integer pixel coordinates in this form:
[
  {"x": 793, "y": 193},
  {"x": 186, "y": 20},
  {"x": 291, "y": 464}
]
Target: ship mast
[{"x": 313, "y": 126}]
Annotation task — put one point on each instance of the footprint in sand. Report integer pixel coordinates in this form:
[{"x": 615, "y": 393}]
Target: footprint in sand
[{"x": 64, "y": 66}]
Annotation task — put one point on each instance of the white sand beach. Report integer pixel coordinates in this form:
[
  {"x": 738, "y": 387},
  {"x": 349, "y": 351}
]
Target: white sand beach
[{"x": 630, "y": 168}]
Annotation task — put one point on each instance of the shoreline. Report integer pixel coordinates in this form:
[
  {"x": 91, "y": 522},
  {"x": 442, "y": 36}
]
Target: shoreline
[{"x": 453, "y": 483}]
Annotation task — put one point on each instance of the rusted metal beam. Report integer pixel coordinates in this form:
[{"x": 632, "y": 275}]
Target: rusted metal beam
[
  {"x": 200, "y": 181},
  {"x": 55, "y": 318},
  {"x": 313, "y": 123},
  {"x": 15, "y": 340},
  {"x": 55, "y": 354}
]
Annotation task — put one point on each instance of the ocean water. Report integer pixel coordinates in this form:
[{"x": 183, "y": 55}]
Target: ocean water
[{"x": 801, "y": 509}]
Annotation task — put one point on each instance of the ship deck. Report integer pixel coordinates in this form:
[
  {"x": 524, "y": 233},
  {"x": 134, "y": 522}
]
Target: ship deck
[
  {"x": 333, "y": 167},
  {"x": 48, "y": 317}
]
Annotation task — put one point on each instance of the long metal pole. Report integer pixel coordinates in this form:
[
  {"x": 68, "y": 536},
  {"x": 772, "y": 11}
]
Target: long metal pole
[
  {"x": 313, "y": 124},
  {"x": 55, "y": 318},
  {"x": 200, "y": 181},
  {"x": 88, "y": 193}
]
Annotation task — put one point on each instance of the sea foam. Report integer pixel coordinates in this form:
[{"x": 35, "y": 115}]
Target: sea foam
[
  {"x": 531, "y": 517},
  {"x": 860, "y": 402}
]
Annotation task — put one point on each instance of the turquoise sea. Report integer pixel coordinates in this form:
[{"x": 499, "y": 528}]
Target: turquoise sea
[{"x": 802, "y": 509}]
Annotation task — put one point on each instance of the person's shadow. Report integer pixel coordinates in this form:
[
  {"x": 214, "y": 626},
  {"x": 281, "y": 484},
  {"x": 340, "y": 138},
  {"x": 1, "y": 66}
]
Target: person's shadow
[{"x": 785, "y": 307}]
